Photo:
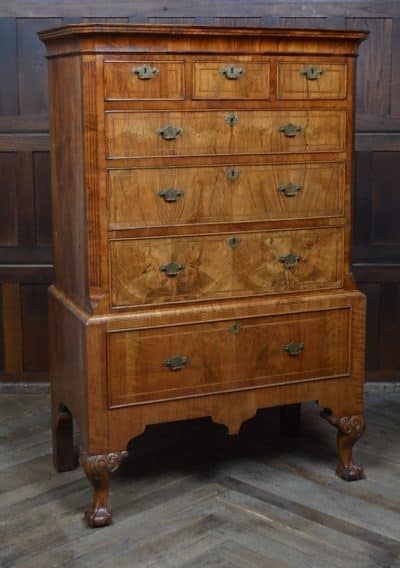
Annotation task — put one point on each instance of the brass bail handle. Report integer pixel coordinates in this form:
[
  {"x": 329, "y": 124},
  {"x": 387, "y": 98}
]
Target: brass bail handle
[
  {"x": 170, "y": 132},
  {"x": 312, "y": 72},
  {"x": 176, "y": 363},
  {"x": 232, "y": 72},
  {"x": 145, "y": 72},
  {"x": 172, "y": 268}
]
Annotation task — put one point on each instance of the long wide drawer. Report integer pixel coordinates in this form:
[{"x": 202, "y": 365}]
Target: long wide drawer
[
  {"x": 158, "y": 270},
  {"x": 177, "y": 133},
  {"x": 190, "y": 360},
  {"x": 142, "y": 197}
]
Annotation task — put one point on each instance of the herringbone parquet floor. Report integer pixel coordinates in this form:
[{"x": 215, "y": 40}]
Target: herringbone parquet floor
[{"x": 190, "y": 496}]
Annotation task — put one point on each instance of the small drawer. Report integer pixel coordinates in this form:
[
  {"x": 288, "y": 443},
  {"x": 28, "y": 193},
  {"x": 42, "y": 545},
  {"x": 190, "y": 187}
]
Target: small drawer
[
  {"x": 178, "y": 269},
  {"x": 194, "y": 360},
  {"x": 142, "y": 80},
  {"x": 311, "y": 80},
  {"x": 210, "y": 133},
  {"x": 230, "y": 80},
  {"x": 145, "y": 197}
]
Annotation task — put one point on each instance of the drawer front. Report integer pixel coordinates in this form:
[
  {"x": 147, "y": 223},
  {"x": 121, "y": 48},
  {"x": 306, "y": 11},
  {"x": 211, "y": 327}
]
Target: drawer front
[
  {"x": 158, "y": 270},
  {"x": 187, "y": 196},
  {"x": 174, "y": 133},
  {"x": 191, "y": 360},
  {"x": 124, "y": 80},
  {"x": 316, "y": 81},
  {"x": 227, "y": 80}
]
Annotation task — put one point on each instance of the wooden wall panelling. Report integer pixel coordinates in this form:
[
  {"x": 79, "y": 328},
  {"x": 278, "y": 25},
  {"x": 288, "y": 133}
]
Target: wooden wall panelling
[{"x": 25, "y": 230}]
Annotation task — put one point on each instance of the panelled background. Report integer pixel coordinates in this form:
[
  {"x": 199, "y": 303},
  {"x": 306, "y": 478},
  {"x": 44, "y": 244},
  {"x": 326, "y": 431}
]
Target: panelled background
[{"x": 25, "y": 219}]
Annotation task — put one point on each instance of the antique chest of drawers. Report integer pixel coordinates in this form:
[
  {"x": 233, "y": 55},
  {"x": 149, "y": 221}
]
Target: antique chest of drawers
[{"x": 201, "y": 186}]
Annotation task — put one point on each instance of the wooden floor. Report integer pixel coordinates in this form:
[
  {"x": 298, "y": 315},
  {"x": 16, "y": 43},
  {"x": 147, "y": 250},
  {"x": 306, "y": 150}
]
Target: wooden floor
[{"x": 193, "y": 497}]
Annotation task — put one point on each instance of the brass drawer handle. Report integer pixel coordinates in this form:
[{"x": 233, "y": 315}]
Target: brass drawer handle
[
  {"x": 231, "y": 119},
  {"x": 290, "y": 189},
  {"x": 232, "y": 174},
  {"x": 290, "y": 260},
  {"x": 172, "y": 268},
  {"x": 170, "y": 195},
  {"x": 232, "y": 72},
  {"x": 294, "y": 348},
  {"x": 145, "y": 72},
  {"x": 176, "y": 363},
  {"x": 312, "y": 72},
  {"x": 290, "y": 130},
  {"x": 170, "y": 132},
  {"x": 234, "y": 242}
]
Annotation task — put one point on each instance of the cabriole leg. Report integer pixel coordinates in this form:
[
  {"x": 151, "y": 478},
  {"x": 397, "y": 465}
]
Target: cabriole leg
[
  {"x": 98, "y": 469},
  {"x": 350, "y": 430}
]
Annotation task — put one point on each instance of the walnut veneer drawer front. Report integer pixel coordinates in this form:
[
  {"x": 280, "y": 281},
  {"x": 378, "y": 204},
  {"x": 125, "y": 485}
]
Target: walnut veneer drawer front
[
  {"x": 176, "y": 133},
  {"x": 317, "y": 81},
  {"x": 198, "y": 359},
  {"x": 144, "y": 80},
  {"x": 140, "y": 197},
  {"x": 226, "y": 80},
  {"x": 158, "y": 270}
]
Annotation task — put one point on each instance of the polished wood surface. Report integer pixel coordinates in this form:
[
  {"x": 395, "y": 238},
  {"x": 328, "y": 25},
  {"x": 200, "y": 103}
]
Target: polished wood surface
[
  {"x": 293, "y": 83},
  {"x": 161, "y": 322},
  {"x": 228, "y": 355},
  {"x": 122, "y": 80},
  {"x": 134, "y": 134},
  {"x": 223, "y": 266},
  {"x": 219, "y": 194},
  {"x": 251, "y": 81}
]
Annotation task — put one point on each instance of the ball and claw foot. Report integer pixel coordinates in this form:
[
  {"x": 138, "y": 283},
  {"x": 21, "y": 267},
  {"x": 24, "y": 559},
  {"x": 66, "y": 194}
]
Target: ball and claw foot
[
  {"x": 350, "y": 430},
  {"x": 98, "y": 469}
]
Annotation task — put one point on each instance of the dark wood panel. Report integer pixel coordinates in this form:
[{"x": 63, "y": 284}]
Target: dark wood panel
[
  {"x": 34, "y": 327},
  {"x": 32, "y": 65},
  {"x": 374, "y": 67},
  {"x": 254, "y": 8},
  {"x": 385, "y": 198},
  {"x": 41, "y": 174},
  {"x": 8, "y": 67},
  {"x": 395, "y": 79},
  {"x": 8, "y": 198}
]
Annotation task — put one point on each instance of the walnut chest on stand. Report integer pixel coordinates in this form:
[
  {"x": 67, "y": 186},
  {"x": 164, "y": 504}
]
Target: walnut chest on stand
[{"x": 201, "y": 189}]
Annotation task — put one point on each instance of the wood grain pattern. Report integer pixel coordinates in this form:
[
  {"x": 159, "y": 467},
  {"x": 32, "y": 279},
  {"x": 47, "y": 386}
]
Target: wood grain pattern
[
  {"x": 210, "y": 195},
  {"x": 122, "y": 83},
  {"x": 251, "y": 316},
  {"x": 230, "y": 355},
  {"x": 291, "y": 84},
  {"x": 215, "y": 269},
  {"x": 210, "y": 83},
  {"x": 132, "y": 134}
]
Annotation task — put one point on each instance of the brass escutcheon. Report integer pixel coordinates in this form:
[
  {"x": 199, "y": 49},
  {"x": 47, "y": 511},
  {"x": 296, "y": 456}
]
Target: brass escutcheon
[
  {"x": 235, "y": 328},
  {"x": 232, "y": 174},
  {"x": 234, "y": 242},
  {"x": 231, "y": 119}
]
